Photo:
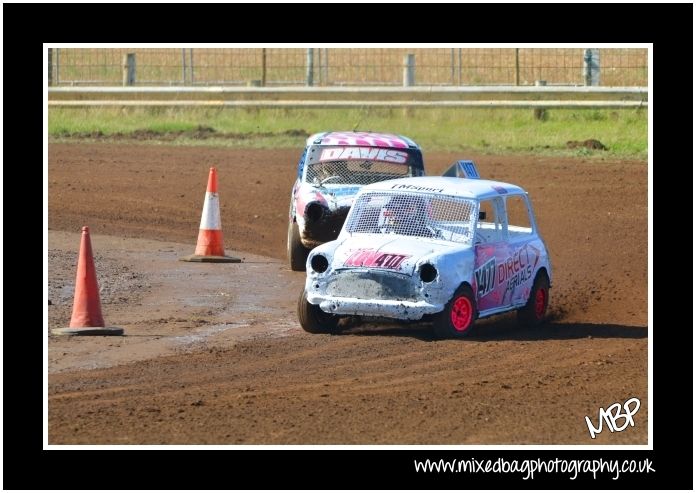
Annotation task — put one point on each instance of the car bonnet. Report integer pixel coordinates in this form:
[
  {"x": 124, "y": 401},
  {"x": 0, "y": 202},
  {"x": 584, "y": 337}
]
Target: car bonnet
[{"x": 386, "y": 252}]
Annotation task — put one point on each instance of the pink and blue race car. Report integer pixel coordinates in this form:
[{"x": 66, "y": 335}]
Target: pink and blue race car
[
  {"x": 449, "y": 249},
  {"x": 332, "y": 169}
]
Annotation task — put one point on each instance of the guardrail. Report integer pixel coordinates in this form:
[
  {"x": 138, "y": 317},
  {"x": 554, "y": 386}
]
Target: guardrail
[
  {"x": 363, "y": 104},
  {"x": 341, "y": 97}
]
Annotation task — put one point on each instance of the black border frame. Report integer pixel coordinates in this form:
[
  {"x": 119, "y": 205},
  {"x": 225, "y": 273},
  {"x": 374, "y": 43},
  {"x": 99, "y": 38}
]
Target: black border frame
[{"x": 669, "y": 27}]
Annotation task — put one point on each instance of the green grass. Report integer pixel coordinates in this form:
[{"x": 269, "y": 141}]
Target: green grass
[{"x": 490, "y": 131}]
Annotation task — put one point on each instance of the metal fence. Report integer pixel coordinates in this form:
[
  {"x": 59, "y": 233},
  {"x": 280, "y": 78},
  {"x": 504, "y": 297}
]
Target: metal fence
[{"x": 344, "y": 66}]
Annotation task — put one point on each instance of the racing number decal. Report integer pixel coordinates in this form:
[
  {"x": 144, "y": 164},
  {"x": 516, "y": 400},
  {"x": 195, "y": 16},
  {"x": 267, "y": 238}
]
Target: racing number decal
[
  {"x": 371, "y": 258},
  {"x": 486, "y": 276},
  {"x": 504, "y": 273}
]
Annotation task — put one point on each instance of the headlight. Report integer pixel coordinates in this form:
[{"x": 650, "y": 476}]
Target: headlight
[
  {"x": 319, "y": 263},
  {"x": 428, "y": 272}
]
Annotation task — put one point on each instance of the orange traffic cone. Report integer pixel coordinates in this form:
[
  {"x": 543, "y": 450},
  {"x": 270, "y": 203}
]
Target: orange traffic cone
[
  {"x": 87, "y": 316},
  {"x": 210, "y": 247}
]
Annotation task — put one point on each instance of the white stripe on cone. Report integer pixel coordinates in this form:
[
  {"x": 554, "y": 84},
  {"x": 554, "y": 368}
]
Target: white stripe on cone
[
  {"x": 210, "y": 219},
  {"x": 210, "y": 241}
]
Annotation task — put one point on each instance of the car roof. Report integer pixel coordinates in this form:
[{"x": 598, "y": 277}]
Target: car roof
[
  {"x": 457, "y": 187},
  {"x": 365, "y": 139}
]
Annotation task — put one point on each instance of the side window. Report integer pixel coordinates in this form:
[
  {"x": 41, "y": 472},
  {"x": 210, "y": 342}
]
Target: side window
[
  {"x": 489, "y": 227},
  {"x": 519, "y": 222}
]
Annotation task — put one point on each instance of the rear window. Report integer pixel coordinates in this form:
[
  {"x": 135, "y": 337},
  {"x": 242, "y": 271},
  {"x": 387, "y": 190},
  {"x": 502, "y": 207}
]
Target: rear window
[{"x": 360, "y": 165}]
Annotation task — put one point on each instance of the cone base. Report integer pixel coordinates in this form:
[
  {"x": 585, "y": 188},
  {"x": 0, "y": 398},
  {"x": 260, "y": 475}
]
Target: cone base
[
  {"x": 211, "y": 258},
  {"x": 88, "y": 331}
]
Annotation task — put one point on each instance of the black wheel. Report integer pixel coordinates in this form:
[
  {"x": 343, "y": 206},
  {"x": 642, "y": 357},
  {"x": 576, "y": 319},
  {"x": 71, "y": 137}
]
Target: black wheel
[
  {"x": 534, "y": 312},
  {"x": 297, "y": 253},
  {"x": 458, "y": 317},
  {"x": 313, "y": 319}
]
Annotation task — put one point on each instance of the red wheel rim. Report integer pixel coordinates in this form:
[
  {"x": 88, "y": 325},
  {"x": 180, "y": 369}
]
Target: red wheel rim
[
  {"x": 540, "y": 302},
  {"x": 461, "y": 313}
]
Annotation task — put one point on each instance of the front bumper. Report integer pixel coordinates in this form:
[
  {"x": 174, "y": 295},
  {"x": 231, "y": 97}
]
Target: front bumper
[{"x": 403, "y": 310}]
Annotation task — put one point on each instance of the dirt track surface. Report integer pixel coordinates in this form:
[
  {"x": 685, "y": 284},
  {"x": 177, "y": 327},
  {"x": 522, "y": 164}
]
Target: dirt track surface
[{"x": 214, "y": 354}]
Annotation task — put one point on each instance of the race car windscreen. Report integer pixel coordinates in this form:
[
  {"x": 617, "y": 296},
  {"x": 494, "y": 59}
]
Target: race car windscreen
[
  {"x": 413, "y": 214},
  {"x": 360, "y": 165}
]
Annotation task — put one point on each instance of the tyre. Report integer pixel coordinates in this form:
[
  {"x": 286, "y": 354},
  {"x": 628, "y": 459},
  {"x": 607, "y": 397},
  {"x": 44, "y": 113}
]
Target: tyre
[
  {"x": 534, "y": 312},
  {"x": 297, "y": 253},
  {"x": 458, "y": 317},
  {"x": 313, "y": 319}
]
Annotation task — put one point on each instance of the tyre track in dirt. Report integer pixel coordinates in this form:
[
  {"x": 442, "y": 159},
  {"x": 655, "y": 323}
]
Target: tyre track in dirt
[{"x": 475, "y": 392}]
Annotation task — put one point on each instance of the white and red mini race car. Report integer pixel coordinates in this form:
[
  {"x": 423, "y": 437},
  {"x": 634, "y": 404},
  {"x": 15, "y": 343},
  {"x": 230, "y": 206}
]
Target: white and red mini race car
[
  {"x": 447, "y": 248},
  {"x": 332, "y": 169}
]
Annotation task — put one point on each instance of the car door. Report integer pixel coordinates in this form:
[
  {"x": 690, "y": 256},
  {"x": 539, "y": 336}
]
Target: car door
[
  {"x": 491, "y": 251},
  {"x": 524, "y": 250}
]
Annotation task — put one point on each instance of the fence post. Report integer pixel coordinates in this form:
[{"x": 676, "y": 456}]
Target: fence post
[
  {"x": 540, "y": 113},
  {"x": 590, "y": 67},
  {"x": 587, "y": 67},
  {"x": 409, "y": 69},
  {"x": 517, "y": 66},
  {"x": 452, "y": 64},
  {"x": 191, "y": 63},
  {"x": 57, "y": 81},
  {"x": 183, "y": 66},
  {"x": 129, "y": 69},
  {"x": 320, "y": 67},
  {"x": 310, "y": 66},
  {"x": 263, "y": 67},
  {"x": 50, "y": 67},
  {"x": 460, "y": 67},
  {"x": 325, "y": 78}
]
